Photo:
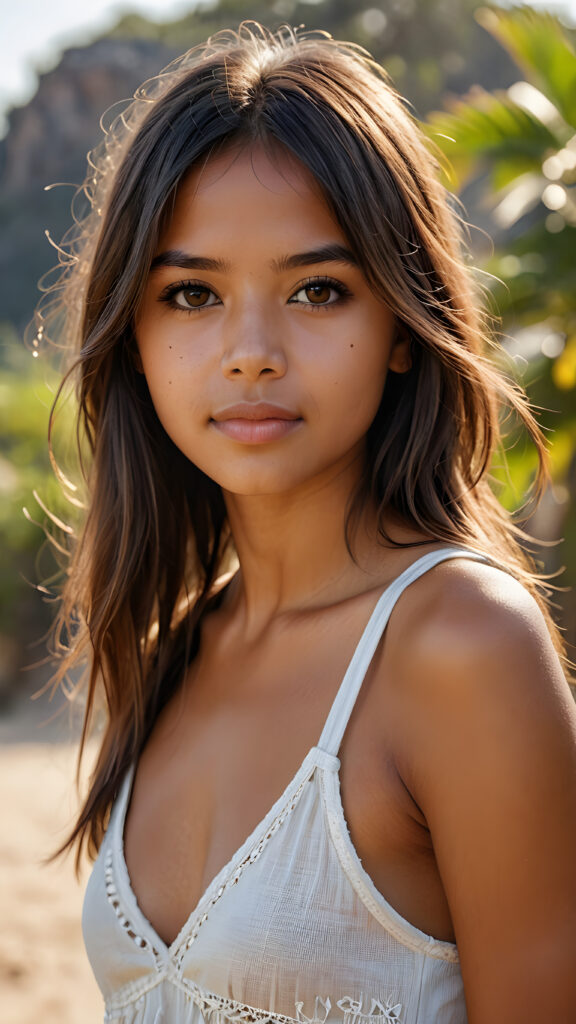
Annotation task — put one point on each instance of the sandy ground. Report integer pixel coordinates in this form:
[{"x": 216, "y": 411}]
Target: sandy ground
[{"x": 45, "y": 977}]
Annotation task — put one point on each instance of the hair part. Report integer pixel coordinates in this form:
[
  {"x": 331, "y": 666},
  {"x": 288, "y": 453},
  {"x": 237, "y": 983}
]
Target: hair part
[{"x": 156, "y": 535}]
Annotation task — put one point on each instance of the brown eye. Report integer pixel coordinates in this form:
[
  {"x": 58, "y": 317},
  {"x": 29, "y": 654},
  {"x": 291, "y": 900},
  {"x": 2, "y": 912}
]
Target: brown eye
[
  {"x": 190, "y": 297},
  {"x": 318, "y": 292}
]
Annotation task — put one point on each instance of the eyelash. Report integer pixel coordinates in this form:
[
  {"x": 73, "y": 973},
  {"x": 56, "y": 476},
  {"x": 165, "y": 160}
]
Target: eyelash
[
  {"x": 169, "y": 294},
  {"x": 342, "y": 291}
]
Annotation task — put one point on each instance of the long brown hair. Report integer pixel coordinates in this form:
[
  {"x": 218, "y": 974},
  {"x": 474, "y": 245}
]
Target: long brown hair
[{"x": 156, "y": 536}]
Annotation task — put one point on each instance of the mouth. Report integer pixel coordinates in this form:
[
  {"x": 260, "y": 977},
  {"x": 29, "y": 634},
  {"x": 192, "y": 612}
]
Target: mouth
[
  {"x": 255, "y": 422},
  {"x": 254, "y": 411}
]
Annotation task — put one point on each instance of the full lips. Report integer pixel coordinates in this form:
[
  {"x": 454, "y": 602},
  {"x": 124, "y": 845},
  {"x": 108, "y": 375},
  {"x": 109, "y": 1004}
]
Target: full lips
[{"x": 256, "y": 431}]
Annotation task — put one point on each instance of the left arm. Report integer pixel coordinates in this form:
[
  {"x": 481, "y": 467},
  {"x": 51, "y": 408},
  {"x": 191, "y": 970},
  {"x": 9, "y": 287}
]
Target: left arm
[{"x": 491, "y": 760}]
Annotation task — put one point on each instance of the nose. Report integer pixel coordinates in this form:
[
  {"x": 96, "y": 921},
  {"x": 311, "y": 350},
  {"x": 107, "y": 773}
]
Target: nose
[{"x": 252, "y": 347}]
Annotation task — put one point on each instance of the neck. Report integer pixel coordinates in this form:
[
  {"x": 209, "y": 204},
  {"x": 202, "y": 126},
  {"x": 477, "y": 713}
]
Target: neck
[{"x": 292, "y": 550}]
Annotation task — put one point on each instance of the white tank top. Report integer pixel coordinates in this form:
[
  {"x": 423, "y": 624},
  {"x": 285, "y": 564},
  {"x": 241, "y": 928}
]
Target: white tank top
[{"x": 292, "y": 930}]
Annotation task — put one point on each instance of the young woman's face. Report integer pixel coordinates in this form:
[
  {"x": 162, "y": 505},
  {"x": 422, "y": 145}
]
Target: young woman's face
[{"x": 264, "y": 349}]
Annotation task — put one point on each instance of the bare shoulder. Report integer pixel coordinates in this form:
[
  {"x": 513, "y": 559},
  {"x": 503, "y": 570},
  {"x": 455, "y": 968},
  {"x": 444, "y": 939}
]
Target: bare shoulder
[
  {"x": 471, "y": 662},
  {"x": 485, "y": 743},
  {"x": 473, "y": 631}
]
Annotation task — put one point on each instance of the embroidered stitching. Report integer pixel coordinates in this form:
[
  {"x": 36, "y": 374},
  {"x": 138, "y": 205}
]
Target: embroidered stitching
[
  {"x": 378, "y": 1011},
  {"x": 250, "y": 858},
  {"x": 123, "y": 920},
  {"x": 221, "y": 1010},
  {"x": 233, "y": 878},
  {"x": 316, "y": 1019}
]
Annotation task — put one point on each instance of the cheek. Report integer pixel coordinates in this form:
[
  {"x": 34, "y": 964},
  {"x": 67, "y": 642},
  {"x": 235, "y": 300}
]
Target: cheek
[
  {"x": 165, "y": 379},
  {"x": 362, "y": 399},
  {"x": 162, "y": 380},
  {"x": 361, "y": 376},
  {"x": 363, "y": 384},
  {"x": 350, "y": 400},
  {"x": 164, "y": 363}
]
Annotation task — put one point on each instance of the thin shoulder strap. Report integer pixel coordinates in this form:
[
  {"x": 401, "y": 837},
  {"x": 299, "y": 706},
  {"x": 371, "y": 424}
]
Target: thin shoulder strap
[{"x": 343, "y": 705}]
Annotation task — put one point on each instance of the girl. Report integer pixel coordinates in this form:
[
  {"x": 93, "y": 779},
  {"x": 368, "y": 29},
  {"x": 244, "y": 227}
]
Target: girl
[{"x": 294, "y": 577}]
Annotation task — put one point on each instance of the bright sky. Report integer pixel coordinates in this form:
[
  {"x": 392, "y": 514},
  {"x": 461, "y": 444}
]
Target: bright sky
[{"x": 34, "y": 32}]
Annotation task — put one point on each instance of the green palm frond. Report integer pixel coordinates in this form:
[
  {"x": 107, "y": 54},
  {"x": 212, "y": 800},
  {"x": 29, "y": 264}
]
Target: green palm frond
[
  {"x": 540, "y": 45},
  {"x": 491, "y": 131},
  {"x": 518, "y": 147}
]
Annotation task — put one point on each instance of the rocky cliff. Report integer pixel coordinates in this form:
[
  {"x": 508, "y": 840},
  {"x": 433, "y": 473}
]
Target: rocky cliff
[{"x": 47, "y": 142}]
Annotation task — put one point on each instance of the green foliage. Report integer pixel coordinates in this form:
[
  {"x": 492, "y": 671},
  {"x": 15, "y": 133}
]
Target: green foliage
[
  {"x": 492, "y": 131},
  {"x": 540, "y": 45},
  {"x": 519, "y": 148},
  {"x": 522, "y": 149},
  {"x": 27, "y": 387}
]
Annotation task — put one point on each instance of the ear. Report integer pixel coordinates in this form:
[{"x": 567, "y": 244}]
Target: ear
[{"x": 401, "y": 354}]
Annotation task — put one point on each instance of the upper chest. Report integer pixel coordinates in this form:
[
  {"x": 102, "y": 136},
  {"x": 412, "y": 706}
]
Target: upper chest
[{"x": 229, "y": 745}]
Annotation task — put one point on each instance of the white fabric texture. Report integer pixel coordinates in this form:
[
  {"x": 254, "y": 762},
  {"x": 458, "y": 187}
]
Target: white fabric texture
[{"x": 292, "y": 930}]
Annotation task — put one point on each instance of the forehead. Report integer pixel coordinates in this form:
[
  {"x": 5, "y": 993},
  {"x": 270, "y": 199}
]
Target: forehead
[{"x": 246, "y": 189}]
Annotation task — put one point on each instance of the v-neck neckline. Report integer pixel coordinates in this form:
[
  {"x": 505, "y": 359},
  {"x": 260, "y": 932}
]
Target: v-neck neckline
[{"x": 316, "y": 757}]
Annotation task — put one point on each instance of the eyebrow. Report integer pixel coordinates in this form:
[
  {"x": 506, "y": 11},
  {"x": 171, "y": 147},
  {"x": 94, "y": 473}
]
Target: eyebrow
[
  {"x": 177, "y": 258},
  {"x": 331, "y": 253}
]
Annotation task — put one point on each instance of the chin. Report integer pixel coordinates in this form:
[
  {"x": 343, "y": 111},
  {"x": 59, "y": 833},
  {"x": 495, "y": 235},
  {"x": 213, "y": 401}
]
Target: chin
[{"x": 258, "y": 486}]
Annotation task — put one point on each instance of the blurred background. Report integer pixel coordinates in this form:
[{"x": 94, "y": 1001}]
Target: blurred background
[{"x": 495, "y": 89}]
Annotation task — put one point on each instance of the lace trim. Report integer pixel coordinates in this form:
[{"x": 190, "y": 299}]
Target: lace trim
[
  {"x": 250, "y": 858},
  {"x": 227, "y": 1011},
  {"x": 123, "y": 920},
  {"x": 352, "y": 1010},
  {"x": 378, "y": 1012},
  {"x": 233, "y": 878},
  {"x": 221, "y": 1010}
]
